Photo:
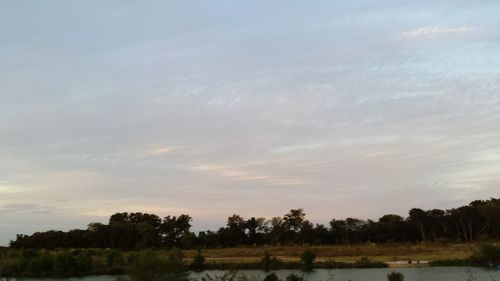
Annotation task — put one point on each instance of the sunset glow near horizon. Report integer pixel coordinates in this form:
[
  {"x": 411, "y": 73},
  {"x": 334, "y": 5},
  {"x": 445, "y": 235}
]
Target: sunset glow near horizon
[{"x": 210, "y": 108}]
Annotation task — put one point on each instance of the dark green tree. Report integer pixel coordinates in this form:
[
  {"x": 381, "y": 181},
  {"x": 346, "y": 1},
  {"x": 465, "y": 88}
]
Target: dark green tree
[{"x": 307, "y": 258}]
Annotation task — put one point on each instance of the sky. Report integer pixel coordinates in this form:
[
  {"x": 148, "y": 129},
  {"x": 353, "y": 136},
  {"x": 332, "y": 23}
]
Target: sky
[{"x": 210, "y": 108}]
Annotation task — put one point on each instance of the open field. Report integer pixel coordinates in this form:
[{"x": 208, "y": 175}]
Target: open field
[
  {"x": 343, "y": 253},
  {"x": 81, "y": 262}
]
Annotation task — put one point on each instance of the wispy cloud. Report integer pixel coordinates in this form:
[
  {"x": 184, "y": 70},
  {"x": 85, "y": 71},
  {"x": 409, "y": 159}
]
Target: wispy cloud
[
  {"x": 247, "y": 175},
  {"x": 337, "y": 142},
  {"x": 299, "y": 147},
  {"x": 4, "y": 189},
  {"x": 26, "y": 208},
  {"x": 161, "y": 150},
  {"x": 436, "y": 30}
]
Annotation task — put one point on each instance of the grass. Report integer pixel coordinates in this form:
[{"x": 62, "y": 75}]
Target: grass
[
  {"x": 333, "y": 256},
  {"x": 344, "y": 253}
]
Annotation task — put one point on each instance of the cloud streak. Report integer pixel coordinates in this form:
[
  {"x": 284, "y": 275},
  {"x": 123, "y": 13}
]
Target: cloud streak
[
  {"x": 236, "y": 174},
  {"x": 436, "y": 30},
  {"x": 161, "y": 150},
  {"x": 26, "y": 208}
]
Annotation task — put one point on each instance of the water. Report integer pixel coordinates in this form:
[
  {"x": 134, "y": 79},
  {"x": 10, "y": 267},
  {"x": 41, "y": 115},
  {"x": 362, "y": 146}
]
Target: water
[{"x": 379, "y": 274}]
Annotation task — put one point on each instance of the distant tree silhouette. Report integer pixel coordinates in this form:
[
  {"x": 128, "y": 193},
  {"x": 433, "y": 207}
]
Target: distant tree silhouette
[{"x": 478, "y": 220}]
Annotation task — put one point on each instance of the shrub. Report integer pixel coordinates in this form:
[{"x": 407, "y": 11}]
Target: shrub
[
  {"x": 487, "y": 255},
  {"x": 228, "y": 276},
  {"x": 294, "y": 277},
  {"x": 83, "y": 263},
  {"x": 64, "y": 264},
  {"x": 452, "y": 262},
  {"x": 395, "y": 276},
  {"x": 198, "y": 262},
  {"x": 147, "y": 266},
  {"x": 23, "y": 264},
  {"x": 364, "y": 262},
  {"x": 308, "y": 257},
  {"x": 114, "y": 258},
  {"x": 174, "y": 260},
  {"x": 29, "y": 254},
  {"x": 13, "y": 253},
  {"x": 235, "y": 276},
  {"x": 269, "y": 262},
  {"x": 131, "y": 258},
  {"x": 271, "y": 277},
  {"x": 41, "y": 265},
  {"x": 9, "y": 269}
]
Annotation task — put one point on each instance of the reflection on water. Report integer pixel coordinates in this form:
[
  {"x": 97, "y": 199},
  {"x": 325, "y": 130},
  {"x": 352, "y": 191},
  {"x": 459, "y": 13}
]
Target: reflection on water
[{"x": 379, "y": 274}]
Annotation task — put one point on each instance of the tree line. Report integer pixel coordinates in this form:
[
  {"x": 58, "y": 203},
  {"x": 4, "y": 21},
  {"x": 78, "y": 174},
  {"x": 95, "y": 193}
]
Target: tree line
[{"x": 478, "y": 220}]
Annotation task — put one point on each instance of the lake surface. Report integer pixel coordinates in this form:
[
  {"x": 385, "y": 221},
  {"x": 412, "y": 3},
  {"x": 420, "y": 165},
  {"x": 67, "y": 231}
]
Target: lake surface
[{"x": 379, "y": 274}]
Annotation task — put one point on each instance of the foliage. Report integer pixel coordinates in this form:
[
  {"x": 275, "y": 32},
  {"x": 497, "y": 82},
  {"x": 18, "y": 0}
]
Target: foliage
[
  {"x": 64, "y": 264},
  {"x": 235, "y": 276},
  {"x": 198, "y": 262},
  {"x": 487, "y": 255},
  {"x": 131, "y": 231},
  {"x": 395, "y": 276},
  {"x": 294, "y": 277},
  {"x": 452, "y": 262},
  {"x": 229, "y": 276},
  {"x": 114, "y": 258},
  {"x": 269, "y": 262},
  {"x": 271, "y": 277},
  {"x": 307, "y": 258},
  {"x": 147, "y": 266},
  {"x": 366, "y": 263},
  {"x": 41, "y": 265}
]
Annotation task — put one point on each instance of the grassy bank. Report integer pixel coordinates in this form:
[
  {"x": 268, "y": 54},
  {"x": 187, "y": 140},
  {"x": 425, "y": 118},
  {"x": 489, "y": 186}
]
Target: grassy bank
[
  {"x": 78, "y": 262},
  {"x": 345, "y": 253}
]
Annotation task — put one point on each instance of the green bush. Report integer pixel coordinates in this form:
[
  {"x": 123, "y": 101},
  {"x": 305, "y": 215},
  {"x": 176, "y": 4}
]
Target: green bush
[
  {"x": 294, "y": 277},
  {"x": 83, "y": 263},
  {"x": 9, "y": 269},
  {"x": 114, "y": 258},
  {"x": 147, "y": 266},
  {"x": 395, "y": 276},
  {"x": 487, "y": 255},
  {"x": 269, "y": 262},
  {"x": 452, "y": 262},
  {"x": 29, "y": 254},
  {"x": 41, "y": 265},
  {"x": 131, "y": 258},
  {"x": 175, "y": 260},
  {"x": 64, "y": 264},
  {"x": 198, "y": 262},
  {"x": 308, "y": 257},
  {"x": 271, "y": 277},
  {"x": 366, "y": 263},
  {"x": 23, "y": 264},
  {"x": 13, "y": 253},
  {"x": 228, "y": 276}
]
